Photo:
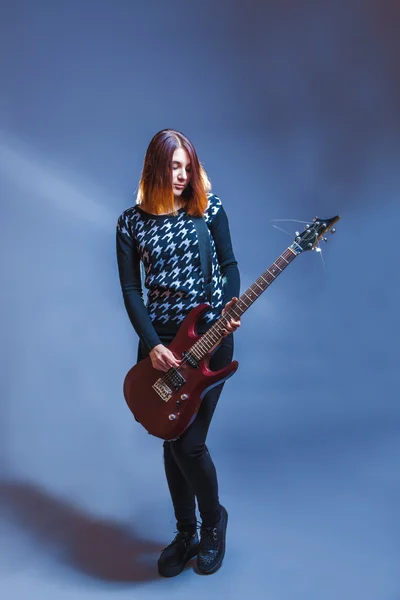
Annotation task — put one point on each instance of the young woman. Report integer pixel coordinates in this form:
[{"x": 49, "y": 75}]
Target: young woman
[{"x": 159, "y": 233}]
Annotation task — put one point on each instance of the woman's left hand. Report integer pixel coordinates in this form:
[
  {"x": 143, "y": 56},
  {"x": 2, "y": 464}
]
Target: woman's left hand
[{"x": 232, "y": 324}]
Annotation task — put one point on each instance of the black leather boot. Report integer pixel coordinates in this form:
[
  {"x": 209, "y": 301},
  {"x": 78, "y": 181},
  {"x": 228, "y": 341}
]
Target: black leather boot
[
  {"x": 175, "y": 556},
  {"x": 211, "y": 550}
]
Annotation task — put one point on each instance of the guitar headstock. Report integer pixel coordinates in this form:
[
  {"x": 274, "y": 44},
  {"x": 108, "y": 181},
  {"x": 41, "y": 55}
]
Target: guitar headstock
[{"x": 312, "y": 234}]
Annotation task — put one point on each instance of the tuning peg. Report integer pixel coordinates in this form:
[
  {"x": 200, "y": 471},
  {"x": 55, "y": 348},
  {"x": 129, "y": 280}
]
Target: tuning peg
[
  {"x": 333, "y": 230},
  {"x": 297, "y": 233},
  {"x": 315, "y": 219},
  {"x": 307, "y": 226},
  {"x": 325, "y": 240}
]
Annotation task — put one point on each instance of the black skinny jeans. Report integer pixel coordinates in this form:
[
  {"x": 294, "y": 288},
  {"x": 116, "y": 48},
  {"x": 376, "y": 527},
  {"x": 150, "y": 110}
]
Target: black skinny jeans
[{"x": 188, "y": 465}]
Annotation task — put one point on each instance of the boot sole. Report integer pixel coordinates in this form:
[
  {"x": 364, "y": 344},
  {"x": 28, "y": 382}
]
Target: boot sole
[{"x": 176, "y": 569}]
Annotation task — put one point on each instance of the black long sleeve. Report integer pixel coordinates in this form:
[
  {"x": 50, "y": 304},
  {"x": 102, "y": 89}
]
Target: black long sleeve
[
  {"x": 132, "y": 291},
  {"x": 219, "y": 227},
  {"x": 168, "y": 251}
]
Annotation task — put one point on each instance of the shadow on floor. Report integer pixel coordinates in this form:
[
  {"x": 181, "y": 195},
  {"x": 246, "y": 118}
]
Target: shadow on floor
[{"x": 102, "y": 549}]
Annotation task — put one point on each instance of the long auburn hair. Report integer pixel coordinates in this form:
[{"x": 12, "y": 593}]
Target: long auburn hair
[{"x": 155, "y": 194}]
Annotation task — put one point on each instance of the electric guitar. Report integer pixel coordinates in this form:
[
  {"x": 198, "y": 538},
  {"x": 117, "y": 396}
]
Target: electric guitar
[{"x": 167, "y": 403}]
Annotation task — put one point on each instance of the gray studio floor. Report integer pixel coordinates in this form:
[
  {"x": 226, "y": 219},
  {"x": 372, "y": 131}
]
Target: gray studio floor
[{"x": 312, "y": 520}]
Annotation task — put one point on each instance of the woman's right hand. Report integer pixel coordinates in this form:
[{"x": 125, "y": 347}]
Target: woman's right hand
[{"x": 162, "y": 358}]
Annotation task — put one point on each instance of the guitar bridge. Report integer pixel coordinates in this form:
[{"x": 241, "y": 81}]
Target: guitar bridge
[
  {"x": 162, "y": 390},
  {"x": 165, "y": 386}
]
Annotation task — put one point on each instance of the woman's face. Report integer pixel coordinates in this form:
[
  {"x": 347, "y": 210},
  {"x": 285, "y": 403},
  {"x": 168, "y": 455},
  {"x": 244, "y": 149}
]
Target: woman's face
[{"x": 181, "y": 171}]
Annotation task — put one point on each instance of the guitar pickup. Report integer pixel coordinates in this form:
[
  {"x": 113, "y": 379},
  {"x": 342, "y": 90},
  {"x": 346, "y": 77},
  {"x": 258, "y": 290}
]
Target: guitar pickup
[
  {"x": 191, "y": 359},
  {"x": 175, "y": 379}
]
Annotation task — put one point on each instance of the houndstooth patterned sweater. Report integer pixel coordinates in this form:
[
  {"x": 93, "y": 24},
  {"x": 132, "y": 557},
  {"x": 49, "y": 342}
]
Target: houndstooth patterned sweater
[{"x": 167, "y": 246}]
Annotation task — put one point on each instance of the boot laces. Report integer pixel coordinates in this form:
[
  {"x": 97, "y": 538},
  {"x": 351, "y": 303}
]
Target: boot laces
[
  {"x": 209, "y": 537},
  {"x": 181, "y": 536}
]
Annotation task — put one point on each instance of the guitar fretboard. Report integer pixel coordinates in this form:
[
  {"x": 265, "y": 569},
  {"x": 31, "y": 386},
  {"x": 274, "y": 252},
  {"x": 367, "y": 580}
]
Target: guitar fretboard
[{"x": 213, "y": 336}]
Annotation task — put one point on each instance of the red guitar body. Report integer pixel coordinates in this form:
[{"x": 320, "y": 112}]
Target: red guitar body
[
  {"x": 168, "y": 417},
  {"x": 166, "y": 403}
]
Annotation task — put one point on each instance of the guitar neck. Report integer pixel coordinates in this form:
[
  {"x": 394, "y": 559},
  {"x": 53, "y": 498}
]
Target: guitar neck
[
  {"x": 214, "y": 334},
  {"x": 262, "y": 283}
]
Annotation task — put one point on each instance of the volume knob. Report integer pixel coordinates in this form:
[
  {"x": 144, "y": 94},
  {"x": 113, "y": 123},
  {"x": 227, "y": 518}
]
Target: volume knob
[
  {"x": 172, "y": 417},
  {"x": 184, "y": 397}
]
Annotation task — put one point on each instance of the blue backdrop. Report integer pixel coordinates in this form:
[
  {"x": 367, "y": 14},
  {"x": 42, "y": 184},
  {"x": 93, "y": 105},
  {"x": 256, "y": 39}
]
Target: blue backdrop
[{"x": 294, "y": 110}]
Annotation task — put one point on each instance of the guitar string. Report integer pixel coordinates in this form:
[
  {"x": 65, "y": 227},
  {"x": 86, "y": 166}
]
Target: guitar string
[
  {"x": 291, "y": 220},
  {"x": 215, "y": 325},
  {"x": 284, "y": 230},
  {"x": 185, "y": 360},
  {"x": 323, "y": 262},
  {"x": 227, "y": 315}
]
